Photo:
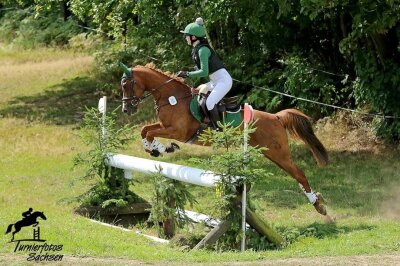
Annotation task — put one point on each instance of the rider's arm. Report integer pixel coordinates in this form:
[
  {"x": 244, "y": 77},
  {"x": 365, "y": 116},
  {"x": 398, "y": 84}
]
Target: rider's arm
[{"x": 204, "y": 54}]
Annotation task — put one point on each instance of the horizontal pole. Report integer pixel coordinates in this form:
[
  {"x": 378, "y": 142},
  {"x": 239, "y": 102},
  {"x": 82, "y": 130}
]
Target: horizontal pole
[
  {"x": 160, "y": 240},
  {"x": 199, "y": 217},
  {"x": 174, "y": 171}
]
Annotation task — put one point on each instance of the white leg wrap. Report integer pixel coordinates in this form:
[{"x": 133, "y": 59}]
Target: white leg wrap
[
  {"x": 155, "y": 145},
  {"x": 312, "y": 197},
  {"x": 146, "y": 144}
]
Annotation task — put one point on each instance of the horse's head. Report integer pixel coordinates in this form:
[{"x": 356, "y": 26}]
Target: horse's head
[
  {"x": 39, "y": 214},
  {"x": 132, "y": 91}
]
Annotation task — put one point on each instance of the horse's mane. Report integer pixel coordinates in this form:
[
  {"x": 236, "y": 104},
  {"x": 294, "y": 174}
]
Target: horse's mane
[{"x": 168, "y": 74}]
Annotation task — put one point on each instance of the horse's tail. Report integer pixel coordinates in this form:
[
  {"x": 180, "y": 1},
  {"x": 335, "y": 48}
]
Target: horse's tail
[
  {"x": 299, "y": 126},
  {"x": 9, "y": 228}
]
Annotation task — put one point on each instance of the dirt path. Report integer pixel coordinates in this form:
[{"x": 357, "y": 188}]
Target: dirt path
[{"x": 381, "y": 260}]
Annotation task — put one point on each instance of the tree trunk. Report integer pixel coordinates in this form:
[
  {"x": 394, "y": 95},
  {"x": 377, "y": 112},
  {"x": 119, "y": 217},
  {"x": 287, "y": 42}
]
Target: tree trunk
[
  {"x": 169, "y": 223},
  {"x": 66, "y": 12}
]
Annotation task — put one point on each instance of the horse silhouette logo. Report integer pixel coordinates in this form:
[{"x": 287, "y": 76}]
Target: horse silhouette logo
[{"x": 29, "y": 218}]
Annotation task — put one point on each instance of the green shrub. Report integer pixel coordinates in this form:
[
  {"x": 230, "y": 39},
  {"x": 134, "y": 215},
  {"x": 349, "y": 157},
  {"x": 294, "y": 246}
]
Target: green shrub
[
  {"x": 23, "y": 29},
  {"x": 111, "y": 188},
  {"x": 169, "y": 196}
]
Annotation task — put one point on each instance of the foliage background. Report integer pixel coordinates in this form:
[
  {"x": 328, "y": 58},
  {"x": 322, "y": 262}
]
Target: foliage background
[{"x": 345, "y": 53}]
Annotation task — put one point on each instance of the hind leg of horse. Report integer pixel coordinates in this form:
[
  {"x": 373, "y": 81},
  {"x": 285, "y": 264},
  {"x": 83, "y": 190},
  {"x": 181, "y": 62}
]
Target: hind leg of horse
[
  {"x": 270, "y": 133},
  {"x": 17, "y": 229},
  {"x": 314, "y": 198},
  {"x": 287, "y": 164},
  {"x": 278, "y": 151}
]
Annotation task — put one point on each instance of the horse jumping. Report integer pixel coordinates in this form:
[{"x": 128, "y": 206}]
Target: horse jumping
[
  {"x": 30, "y": 220},
  {"x": 176, "y": 122}
]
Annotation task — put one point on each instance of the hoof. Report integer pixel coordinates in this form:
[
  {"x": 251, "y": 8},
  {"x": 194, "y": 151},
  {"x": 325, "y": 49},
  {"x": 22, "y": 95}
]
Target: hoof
[
  {"x": 320, "y": 208},
  {"x": 319, "y": 205},
  {"x": 321, "y": 199},
  {"x": 155, "y": 153},
  {"x": 172, "y": 147}
]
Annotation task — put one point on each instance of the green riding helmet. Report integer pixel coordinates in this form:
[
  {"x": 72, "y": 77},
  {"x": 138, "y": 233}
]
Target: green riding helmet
[{"x": 195, "y": 29}]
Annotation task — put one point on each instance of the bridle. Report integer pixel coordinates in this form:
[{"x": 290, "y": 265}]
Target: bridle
[{"x": 134, "y": 100}]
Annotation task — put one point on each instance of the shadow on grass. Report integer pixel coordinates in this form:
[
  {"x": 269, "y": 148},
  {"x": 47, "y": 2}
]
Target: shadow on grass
[
  {"x": 61, "y": 104},
  {"x": 66, "y": 102}
]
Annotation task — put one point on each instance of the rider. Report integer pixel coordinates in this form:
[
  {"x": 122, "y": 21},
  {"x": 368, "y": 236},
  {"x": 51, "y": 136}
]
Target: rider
[
  {"x": 27, "y": 213},
  {"x": 208, "y": 64}
]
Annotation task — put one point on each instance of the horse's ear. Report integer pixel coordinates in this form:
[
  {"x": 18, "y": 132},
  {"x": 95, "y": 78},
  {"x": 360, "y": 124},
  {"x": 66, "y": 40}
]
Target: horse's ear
[{"x": 127, "y": 70}]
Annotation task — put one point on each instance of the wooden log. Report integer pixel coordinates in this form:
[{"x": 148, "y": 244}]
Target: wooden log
[
  {"x": 213, "y": 235},
  {"x": 262, "y": 227}
]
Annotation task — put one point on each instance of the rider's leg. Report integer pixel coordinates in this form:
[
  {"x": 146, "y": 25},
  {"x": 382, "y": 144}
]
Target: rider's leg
[{"x": 222, "y": 83}]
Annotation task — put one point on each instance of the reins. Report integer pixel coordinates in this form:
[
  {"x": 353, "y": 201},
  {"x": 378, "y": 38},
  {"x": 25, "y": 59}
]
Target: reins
[{"x": 136, "y": 100}]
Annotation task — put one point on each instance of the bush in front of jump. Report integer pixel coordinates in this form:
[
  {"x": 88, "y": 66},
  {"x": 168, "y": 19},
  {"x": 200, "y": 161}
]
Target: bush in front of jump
[
  {"x": 111, "y": 189},
  {"x": 168, "y": 202}
]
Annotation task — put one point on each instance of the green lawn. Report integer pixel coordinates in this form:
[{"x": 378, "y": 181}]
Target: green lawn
[{"x": 42, "y": 97}]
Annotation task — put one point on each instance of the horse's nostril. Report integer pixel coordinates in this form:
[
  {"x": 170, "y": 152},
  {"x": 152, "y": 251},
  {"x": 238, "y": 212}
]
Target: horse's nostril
[{"x": 124, "y": 110}]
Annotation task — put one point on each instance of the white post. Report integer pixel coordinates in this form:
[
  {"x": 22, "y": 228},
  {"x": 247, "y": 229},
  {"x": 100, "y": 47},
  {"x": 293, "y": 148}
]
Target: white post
[
  {"x": 103, "y": 110},
  {"x": 247, "y": 118}
]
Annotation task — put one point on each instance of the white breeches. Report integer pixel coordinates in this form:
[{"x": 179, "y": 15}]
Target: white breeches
[{"x": 220, "y": 84}]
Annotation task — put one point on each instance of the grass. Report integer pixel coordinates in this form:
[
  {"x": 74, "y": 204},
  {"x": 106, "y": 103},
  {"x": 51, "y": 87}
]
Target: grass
[{"x": 42, "y": 96}]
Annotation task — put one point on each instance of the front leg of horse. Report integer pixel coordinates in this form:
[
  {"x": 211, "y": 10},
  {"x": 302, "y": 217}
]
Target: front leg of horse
[
  {"x": 35, "y": 224},
  {"x": 145, "y": 140},
  {"x": 157, "y": 148}
]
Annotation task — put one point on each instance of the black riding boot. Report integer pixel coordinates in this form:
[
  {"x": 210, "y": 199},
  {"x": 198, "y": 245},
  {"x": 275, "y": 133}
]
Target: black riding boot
[{"x": 214, "y": 117}]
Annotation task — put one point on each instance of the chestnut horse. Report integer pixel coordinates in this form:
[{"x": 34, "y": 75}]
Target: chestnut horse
[{"x": 176, "y": 122}]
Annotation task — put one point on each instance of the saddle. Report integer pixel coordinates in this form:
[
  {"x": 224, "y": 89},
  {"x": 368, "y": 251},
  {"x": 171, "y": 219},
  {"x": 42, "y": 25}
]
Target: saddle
[
  {"x": 226, "y": 107},
  {"x": 229, "y": 110}
]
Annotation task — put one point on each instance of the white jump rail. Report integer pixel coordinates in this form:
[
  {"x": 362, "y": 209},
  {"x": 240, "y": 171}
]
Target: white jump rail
[{"x": 178, "y": 172}]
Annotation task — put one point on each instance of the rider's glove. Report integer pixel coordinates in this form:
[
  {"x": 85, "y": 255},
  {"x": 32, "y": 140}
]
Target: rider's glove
[{"x": 183, "y": 74}]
